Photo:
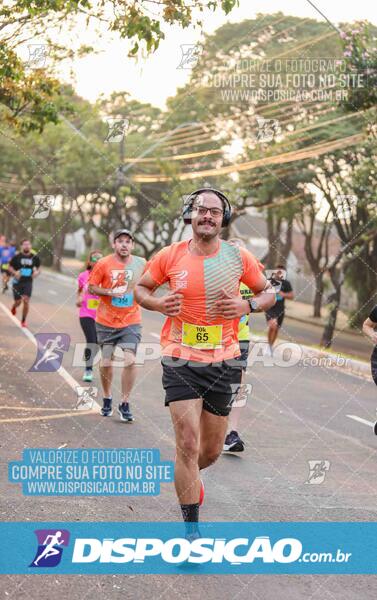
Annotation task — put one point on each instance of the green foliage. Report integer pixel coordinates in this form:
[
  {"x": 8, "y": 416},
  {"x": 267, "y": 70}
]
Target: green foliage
[
  {"x": 44, "y": 248},
  {"x": 31, "y": 99},
  {"x": 31, "y": 95},
  {"x": 360, "y": 55}
]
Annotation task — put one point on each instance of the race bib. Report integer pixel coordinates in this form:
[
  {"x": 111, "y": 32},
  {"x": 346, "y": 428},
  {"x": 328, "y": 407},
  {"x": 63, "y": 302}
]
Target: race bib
[
  {"x": 26, "y": 271},
  {"x": 92, "y": 303},
  {"x": 124, "y": 301},
  {"x": 202, "y": 337}
]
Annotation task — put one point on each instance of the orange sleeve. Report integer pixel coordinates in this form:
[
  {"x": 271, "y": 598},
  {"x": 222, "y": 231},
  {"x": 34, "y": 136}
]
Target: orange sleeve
[
  {"x": 157, "y": 266},
  {"x": 252, "y": 272},
  {"x": 96, "y": 274}
]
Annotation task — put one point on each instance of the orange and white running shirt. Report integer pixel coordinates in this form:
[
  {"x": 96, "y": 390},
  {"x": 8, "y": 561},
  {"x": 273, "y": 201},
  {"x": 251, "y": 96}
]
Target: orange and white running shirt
[
  {"x": 109, "y": 272},
  {"x": 197, "y": 333}
]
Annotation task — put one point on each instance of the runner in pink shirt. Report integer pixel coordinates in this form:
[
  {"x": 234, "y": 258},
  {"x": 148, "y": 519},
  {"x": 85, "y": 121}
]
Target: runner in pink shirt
[{"x": 87, "y": 304}]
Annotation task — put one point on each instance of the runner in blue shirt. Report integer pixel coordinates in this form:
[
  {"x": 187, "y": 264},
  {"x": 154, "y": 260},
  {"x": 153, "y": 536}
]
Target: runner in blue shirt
[{"x": 7, "y": 252}]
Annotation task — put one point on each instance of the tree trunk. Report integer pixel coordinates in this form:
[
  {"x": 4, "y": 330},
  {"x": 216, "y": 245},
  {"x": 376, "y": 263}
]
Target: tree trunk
[
  {"x": 88, "y": 239},
  {"x": 318, "y": 296},
  {"x": 58, "y": 241},
  {"x": 273, "y": 240},
  {"x": 58, "y": 253},
  {"x": 362, "y": 275},
  {"x": 334, "y": 302}
]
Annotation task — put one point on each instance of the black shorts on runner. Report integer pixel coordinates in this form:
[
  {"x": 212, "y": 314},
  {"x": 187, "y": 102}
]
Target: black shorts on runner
[
  {"x": 22, "y": 288},
  {"x": 217, "y": 384},
  {"x": 242, "y": 359},
  {"x": 275, "y": 313}
]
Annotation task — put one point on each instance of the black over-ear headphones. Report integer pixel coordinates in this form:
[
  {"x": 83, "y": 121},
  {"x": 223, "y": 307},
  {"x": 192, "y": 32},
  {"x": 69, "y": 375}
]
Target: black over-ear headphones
[{"x": 188, "y": 205}]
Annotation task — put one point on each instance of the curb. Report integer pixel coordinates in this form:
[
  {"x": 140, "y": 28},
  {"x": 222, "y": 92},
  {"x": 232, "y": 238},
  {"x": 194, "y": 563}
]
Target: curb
[
  {"x": 320, "y": 325},
  {"x": 350, "y": 366}
]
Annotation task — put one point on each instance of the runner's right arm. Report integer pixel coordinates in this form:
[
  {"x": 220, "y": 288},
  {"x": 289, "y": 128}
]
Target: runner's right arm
[
  {"x": 13, "y": 268},
  {"x": 97, "y": 290},
  {"x": 170, "y": 304},
  {"x": 155, "y": 274},
  {"x": 95, "y": 278}
]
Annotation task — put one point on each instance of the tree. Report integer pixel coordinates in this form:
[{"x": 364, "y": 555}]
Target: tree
[
  {"x": 69, "y": 162},
  {"x": 230, "y": 114},
  {"x": 316, "y": 248},
  {"x": 348, "y": 187},
  {"x": 28, "y": 89}
]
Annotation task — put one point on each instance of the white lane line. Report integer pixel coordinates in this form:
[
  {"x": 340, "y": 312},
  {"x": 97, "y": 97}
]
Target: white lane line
[
  {"x": 360, "y": 420},
  {"x": 62, "y": 372},
  {"x": 53, "y": 292},
  {"x": 156, "y": 335}
]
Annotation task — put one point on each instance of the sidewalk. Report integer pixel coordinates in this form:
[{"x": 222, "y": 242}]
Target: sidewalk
[
  {"x": 299, "y": 311},
  {"x": 72, "y": 266}
]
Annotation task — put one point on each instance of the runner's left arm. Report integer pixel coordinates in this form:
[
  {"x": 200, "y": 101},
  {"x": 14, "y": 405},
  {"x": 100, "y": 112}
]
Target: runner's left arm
[
  {"x": 36, "y": 267},
  {"x": 233, "y": 307},
  {"x": 370, "y": 326},
  {"x": 264, "y": 293},
  {"x": 288, "y": 292},
  {"x": 80, "y": 291}
]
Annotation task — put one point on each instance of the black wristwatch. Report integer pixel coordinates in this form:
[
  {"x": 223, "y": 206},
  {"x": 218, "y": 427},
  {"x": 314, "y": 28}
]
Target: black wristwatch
[{"x": 254, "y": 306}]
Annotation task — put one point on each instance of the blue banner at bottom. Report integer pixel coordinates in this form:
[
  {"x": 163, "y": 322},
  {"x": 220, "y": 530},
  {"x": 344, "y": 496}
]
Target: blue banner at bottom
[{"x": 164, "y": 548}]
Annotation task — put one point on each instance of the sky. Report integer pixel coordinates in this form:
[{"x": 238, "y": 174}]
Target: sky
[{"x": 155, "y": 78}]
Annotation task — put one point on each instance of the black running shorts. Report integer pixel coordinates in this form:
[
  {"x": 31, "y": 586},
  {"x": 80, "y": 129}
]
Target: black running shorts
[
  {"x": 22, "y": 288},
  {"x": 275, "y": 312},
  {"x": 216, "y": 383}
]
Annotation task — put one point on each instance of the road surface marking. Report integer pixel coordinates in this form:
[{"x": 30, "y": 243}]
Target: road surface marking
[
  {"x": 75, "y": 413},
  {"x": 62, "y": 372},
  {"x": 29, "y": 408},
  {"x": 360, "y": 420}
]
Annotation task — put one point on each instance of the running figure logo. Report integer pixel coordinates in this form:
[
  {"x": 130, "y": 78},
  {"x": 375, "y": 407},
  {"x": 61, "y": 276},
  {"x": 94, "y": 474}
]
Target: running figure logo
[
  {"x": 345, "y": 206},
  {"x": 317, "y": 471},
  {"x": 268, "y": 129},
  {"x": 43, "y": 205},
  {"x": 37, "y": 56},
  {"x": 51, "y": 347},
  {"x": 241, "y": 392},
  {"x": 50, "y": 542},
  {"x": 190, "y": 56},
  {"x": 85, "y": 397},
  {"x": 117, "y": 129},
  {"x": 120, "y": 278},
  {"x": 180, "y": 280}
]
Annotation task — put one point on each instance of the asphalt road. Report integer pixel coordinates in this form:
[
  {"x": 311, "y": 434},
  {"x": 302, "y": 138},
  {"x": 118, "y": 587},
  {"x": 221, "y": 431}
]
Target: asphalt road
[{"x": 295, "y": 414}]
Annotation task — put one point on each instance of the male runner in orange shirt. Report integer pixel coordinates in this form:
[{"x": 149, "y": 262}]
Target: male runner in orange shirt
[
  {"x": 199, "y": 338},
  {"x": 118, "y": 317}
]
